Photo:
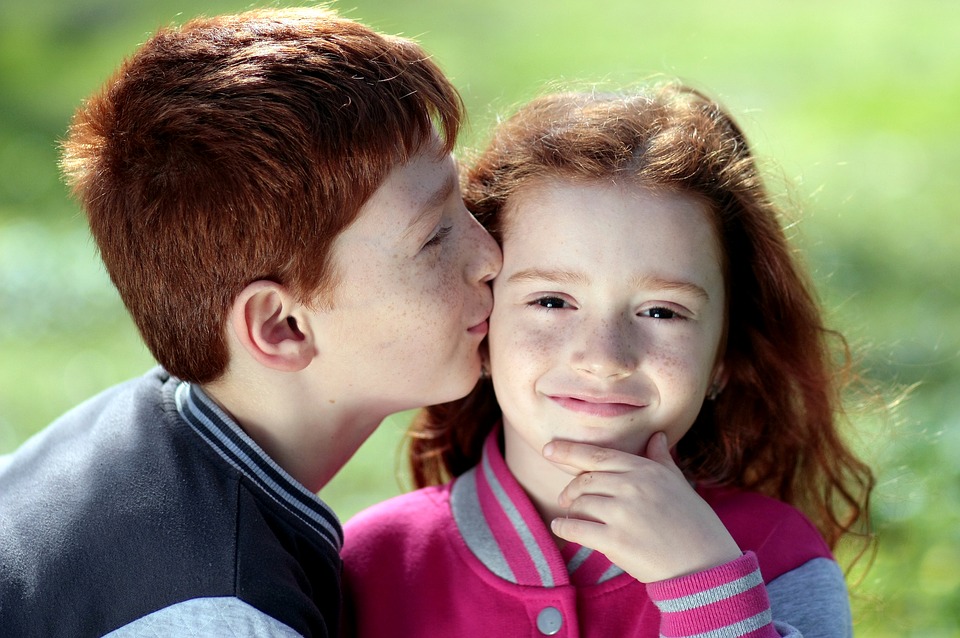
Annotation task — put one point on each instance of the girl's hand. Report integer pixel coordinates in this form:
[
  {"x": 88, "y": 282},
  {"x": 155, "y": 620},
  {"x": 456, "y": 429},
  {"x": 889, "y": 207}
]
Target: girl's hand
[{"x": 639, "y": 511}]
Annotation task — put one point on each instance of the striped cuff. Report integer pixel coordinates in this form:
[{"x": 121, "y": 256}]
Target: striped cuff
[{"x": 729, "y": 601}]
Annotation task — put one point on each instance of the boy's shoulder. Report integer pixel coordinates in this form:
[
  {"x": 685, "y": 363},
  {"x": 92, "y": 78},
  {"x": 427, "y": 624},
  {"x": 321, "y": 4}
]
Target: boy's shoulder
[
  {"x": 83, "y": 439},
  {"x": 83, "y": 500},
  {"x": 781, "y": 535},
  {"x": 119, "y": 509}
]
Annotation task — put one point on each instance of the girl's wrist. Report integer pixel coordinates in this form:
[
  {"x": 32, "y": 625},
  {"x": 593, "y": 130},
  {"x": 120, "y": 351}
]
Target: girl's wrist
[{"x": 691, "y": 604}]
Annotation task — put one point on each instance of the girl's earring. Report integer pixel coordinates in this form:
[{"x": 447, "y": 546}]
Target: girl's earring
[{"x": 714, "y": 391}]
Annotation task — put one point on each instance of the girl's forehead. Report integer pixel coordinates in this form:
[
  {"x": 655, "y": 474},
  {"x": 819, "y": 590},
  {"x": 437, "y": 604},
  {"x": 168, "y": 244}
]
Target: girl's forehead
[
  {"x": 591, "y": 199},
  {"x": 605, "y": 223}
]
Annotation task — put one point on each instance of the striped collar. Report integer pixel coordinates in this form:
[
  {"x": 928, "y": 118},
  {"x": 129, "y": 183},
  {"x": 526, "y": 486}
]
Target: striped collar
[
  {"x": 226, "y": 438},
  {"x": 505, "y": 532}
]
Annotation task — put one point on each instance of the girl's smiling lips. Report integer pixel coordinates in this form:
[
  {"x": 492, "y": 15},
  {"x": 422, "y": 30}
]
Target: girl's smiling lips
[{"x": 602, "y": 406}]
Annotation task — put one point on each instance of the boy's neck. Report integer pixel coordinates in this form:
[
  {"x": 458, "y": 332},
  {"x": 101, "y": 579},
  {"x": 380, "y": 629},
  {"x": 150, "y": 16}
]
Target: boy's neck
[{"x": 308, "y": 437}]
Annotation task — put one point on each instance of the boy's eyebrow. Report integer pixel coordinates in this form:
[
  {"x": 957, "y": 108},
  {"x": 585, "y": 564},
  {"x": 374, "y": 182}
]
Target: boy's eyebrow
[
  {"x": 640, "y": 282},
  {"x": 435, "y": 200}
]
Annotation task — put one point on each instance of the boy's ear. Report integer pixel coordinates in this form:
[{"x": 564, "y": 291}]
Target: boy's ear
[{"x": 263, "y": 317}]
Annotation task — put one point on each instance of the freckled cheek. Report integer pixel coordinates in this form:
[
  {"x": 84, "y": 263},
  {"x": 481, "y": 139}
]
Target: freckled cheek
[
  {"x": 435, "y": 298},
  {"x": 515, "y": 347},
  {"x": 681, "y": 370}
]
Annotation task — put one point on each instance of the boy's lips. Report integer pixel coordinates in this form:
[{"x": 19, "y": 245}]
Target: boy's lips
[
  {"x": 483, "y": 326},
  {"x": 603, "y": 406},
  {"x": 479, "y": 329}
]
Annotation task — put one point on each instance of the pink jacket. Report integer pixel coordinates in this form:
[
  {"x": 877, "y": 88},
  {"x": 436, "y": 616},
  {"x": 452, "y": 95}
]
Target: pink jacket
[{"x": 473, "y": 558}]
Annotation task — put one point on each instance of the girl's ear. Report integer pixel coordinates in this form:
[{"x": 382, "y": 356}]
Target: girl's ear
[
  {"x": 484, "y": 360},
  {"x": 718, "y": 381},
  {"x": 264, "y": 320}
]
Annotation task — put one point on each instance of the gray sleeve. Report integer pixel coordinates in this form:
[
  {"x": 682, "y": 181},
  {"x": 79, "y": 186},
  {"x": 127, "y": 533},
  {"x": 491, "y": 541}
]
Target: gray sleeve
[
  {"x": 813, "y": 598},
  {"x": 201, "y": 617}
]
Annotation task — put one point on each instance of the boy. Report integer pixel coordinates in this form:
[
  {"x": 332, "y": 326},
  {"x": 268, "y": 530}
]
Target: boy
[{"x": 282, "y": 220}]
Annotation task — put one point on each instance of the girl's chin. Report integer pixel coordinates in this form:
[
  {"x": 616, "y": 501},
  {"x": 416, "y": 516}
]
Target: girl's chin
[{"x": 631, "y": 445}]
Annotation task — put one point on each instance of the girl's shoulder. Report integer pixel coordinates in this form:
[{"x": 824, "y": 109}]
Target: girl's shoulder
[{"x": 782, "y": 537}]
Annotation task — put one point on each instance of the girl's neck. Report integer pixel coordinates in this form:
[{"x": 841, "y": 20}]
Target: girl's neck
[{"x": 541, "y": 480}]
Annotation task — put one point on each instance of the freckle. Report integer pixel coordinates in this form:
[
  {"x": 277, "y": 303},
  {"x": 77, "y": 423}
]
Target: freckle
[
  {"x": 668, "y": 366},
  {"x": 332, "y": 400}
]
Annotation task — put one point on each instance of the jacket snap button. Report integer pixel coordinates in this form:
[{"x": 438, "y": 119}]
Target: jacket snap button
[{"x": 549, "y": 621}]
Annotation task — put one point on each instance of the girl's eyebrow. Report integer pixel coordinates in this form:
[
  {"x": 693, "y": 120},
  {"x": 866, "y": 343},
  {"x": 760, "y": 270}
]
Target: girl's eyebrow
[
  {"x": 555, "y": 276},
  {"x": 640, "y": 282},
  {"x": 653, "y": 282}
]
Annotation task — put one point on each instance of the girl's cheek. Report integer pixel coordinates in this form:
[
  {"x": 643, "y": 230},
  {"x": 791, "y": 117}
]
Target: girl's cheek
[
  {"x": 667, "y": 364},
  {"x": 683, "y": 371},
  {"x": 538, "y": 341}
]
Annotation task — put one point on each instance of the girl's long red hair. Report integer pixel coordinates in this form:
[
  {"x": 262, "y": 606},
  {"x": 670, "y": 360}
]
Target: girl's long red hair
[{"x": 775, "y": 426}]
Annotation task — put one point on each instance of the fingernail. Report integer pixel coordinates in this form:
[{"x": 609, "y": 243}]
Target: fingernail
[{"x": 548, "y": 449}]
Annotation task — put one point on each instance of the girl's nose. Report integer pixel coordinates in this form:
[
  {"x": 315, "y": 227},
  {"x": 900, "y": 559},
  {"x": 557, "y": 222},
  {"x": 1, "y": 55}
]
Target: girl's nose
[{"x": 607, "y": 349}]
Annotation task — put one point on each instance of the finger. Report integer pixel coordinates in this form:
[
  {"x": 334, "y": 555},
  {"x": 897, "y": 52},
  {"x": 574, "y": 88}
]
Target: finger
[
  {"x": 594, "y": 507},
  {"x": 586, "y": 457},
  {"x": 658, "y": 451},
  {"x": 594, "y": 483},
  {"x": 582, "y": 532}
]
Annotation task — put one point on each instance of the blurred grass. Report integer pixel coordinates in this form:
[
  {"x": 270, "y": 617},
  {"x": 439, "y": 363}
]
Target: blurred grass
[{"x": 852, "y": 104}]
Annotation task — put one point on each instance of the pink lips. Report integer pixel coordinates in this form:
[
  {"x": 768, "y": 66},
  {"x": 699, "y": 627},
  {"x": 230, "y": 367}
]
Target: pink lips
[
  {"x": 479, "y": 329},
  {"x": 591, "y": 406}
]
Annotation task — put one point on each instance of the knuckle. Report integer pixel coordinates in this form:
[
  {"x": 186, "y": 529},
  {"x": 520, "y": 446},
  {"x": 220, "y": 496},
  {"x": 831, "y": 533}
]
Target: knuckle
[
  {"x": 626, "y": 490},
  {"x": 599, "y": 455},
  {"x": 562, "y": 448}
]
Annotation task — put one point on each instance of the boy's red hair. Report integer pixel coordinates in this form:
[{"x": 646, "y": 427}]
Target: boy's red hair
[
  {"x": 236, "y": 149},
  {"x": 774, "y": 427}
]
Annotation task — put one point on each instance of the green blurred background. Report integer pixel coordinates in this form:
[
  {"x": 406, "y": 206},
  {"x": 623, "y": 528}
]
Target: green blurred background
[{"x": 853, "y": 107}]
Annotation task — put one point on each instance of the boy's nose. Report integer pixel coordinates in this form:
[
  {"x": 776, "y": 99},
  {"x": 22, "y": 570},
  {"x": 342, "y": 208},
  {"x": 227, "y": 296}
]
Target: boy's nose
[{"x": 487, "y": 257}]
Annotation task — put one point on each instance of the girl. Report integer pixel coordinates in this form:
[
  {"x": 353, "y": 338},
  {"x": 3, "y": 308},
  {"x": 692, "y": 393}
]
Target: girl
[{"x": 661, "y": 404}]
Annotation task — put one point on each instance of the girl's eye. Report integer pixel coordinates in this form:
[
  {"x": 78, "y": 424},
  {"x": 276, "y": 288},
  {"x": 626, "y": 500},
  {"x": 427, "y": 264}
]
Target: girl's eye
[
  {"x": 439, "y": 236},
  {"x": 551, "y": 302},
  {"x": 661, "y": 313}
]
